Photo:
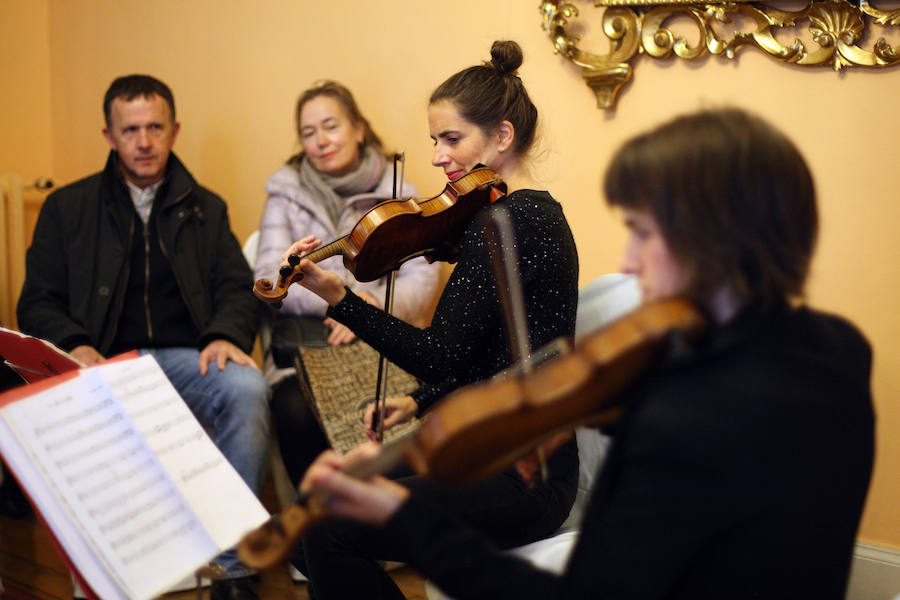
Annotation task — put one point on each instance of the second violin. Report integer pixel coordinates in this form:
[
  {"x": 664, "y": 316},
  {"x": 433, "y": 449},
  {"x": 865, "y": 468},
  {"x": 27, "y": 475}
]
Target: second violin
[
  {"x": 395, "y": 231},
  {"x": 479, "y": 430}
]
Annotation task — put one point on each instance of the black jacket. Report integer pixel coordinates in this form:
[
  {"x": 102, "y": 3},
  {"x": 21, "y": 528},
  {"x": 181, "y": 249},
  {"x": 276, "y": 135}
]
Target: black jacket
[
  {"x": 738, "y": 471},
  {"x": 78, "y": 264}
]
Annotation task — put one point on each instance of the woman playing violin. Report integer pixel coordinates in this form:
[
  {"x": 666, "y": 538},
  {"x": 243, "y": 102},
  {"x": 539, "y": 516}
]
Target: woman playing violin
[
  {"x": 340, "y": 173},
  {"x": 481, "y": 115},
  {"x": 740, "y": 466}
]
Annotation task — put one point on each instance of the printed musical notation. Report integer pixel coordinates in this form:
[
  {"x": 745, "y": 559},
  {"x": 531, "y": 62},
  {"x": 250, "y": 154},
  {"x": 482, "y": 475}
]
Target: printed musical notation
[
  {"x": 134, "y": 491},
  {"x": 182, "y": 445},
  {"x": 114, "y": 486}
]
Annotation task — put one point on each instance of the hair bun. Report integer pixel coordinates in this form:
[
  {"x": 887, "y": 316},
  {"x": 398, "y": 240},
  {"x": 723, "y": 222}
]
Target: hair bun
[{"x": 506, "y": 56}]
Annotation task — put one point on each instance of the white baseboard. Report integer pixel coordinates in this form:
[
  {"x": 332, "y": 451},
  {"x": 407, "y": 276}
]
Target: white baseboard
[{"x": 875, "y": 573}]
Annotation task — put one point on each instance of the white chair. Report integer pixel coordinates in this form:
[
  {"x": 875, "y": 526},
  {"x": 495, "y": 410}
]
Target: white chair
[
  {"x": 284, "y": 490},
  {"x": 599, "y": 302},
  {"x": 251, "y": 247}
]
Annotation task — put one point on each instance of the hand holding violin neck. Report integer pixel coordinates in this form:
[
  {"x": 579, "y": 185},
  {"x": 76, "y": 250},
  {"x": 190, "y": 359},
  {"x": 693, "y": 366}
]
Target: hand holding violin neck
[
  {"x": 290, "y": 273},
  {"x": 395, "y": 231}
]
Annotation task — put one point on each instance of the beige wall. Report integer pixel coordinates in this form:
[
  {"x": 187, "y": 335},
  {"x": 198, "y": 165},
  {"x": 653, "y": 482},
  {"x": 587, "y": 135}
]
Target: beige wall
[
  {"x": 25, "y": 131},
  {"x": 236, "y": 69}
]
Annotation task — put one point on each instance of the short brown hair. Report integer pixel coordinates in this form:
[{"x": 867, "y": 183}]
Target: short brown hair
[
  {"x": 130, "y": 87},
  {"x": 733, "y": 198},
  {"x": 491, "y": 93},
  {"x": 342, "y": 95}
]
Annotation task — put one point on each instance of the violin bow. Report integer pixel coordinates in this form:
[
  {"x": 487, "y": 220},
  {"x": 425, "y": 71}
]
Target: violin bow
[
  {"x": 381, "y": 380},
  {"x": 501, "y": 240}
]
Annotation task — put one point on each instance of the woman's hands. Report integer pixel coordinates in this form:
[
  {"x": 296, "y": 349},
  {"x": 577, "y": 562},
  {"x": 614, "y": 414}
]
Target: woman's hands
[
  {"x": 396, "y": 410},
  {"x": 324, "y": 284},
  {"x": 373, "y": 501},
  {"x": 532, "y": 465}
]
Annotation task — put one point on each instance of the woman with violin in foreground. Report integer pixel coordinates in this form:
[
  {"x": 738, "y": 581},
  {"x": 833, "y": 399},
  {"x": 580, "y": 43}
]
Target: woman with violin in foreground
[
  {"x": 740, "y": 466},
  {"x": 481, "y": 115}
]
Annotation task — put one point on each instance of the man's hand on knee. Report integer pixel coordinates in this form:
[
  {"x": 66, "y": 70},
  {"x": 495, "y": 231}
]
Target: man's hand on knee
[
  {"x": 86, "y": 354},
  {"x": 221, "y": 351}
]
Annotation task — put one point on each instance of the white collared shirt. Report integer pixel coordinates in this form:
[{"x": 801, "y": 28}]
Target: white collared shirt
[{"x": 143, "y": 198}]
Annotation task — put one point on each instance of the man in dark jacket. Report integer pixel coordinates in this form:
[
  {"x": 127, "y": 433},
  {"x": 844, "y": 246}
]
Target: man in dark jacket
[{"x": 141, "y": 256}]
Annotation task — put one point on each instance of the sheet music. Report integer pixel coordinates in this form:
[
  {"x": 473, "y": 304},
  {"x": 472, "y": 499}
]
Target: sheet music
[
  {"x": 129, "y": 482},
  {"x": 56, "y": 517},
  {"x": 107, "y": 478},
  {"x": 211, "y": 485}
]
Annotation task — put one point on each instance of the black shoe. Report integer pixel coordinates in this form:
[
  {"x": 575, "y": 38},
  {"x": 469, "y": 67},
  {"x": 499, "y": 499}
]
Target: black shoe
[{"x": 239, "y": 588}]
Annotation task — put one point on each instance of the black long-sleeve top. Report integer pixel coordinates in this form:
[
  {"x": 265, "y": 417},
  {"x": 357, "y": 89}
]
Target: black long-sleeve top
[
  {"x": 466, "y": 342},
  {"x": 738, "y": 471}
]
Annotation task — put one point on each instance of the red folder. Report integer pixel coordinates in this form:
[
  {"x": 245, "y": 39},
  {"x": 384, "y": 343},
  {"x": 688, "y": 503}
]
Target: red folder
[
  {"x": 42, "y": 365},
  {"x": 33, "y": 358}
]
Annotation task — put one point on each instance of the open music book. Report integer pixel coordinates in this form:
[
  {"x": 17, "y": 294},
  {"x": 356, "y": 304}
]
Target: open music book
[{"x": 134, "y": 491}]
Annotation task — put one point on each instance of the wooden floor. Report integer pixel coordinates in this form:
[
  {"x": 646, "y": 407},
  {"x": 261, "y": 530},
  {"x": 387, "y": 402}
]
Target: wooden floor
[{"x": 31, "y": 568}]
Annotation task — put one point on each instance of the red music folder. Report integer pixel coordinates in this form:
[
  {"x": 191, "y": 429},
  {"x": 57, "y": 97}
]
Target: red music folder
[
  {"x": 32, "y": 358},
  {"x": 135, "y": 493}
]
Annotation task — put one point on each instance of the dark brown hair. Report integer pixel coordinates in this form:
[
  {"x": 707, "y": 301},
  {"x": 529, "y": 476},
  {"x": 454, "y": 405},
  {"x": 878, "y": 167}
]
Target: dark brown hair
[
  {"x": 490, "y": 93},
  {"x": 733, "y": 198},
  {"x": 130, "y": 87},
  {"x": 342, "y": 95}
]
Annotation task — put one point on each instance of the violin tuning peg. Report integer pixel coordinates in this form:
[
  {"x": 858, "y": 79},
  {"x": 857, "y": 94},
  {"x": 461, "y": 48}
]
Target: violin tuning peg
[
  {"x": 294, "y": 259},
  {"x": 285, "y": 271}
]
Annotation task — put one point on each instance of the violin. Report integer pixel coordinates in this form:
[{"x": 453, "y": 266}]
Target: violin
[
  {"x": 481, "y": 429},
  {"x": 395, "y": 231}
]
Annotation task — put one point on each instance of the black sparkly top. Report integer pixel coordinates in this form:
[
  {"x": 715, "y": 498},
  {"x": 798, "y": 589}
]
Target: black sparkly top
[{"x": 466, "y": 341}]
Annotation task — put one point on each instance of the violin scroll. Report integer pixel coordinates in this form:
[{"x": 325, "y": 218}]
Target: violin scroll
[
  {"x": 267, "y": 291},
  {"x": 271, "y": 543}
]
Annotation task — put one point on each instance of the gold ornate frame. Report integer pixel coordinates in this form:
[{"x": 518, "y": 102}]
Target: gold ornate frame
[{"x": 637, "y": 26}]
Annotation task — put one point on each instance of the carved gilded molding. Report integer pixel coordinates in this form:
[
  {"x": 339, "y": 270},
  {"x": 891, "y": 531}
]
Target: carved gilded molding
[{"x": 638, "y": 27}]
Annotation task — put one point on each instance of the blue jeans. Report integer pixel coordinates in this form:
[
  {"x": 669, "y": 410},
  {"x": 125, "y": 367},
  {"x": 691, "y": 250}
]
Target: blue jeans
[{"x": 232, "y": 405}]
